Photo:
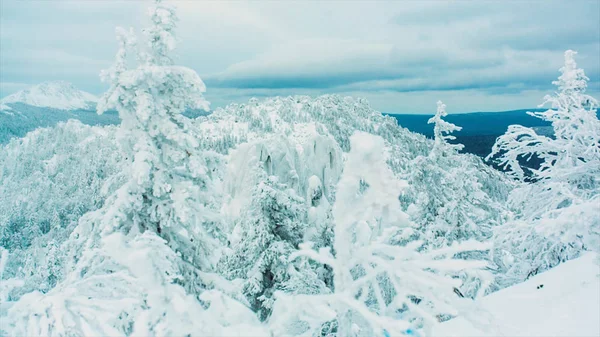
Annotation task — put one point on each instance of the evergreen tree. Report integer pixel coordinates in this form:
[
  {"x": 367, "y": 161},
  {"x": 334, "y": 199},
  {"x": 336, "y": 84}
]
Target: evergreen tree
[
  {"x": 267, "y": 232},
  {"x": 138, "y": 264},
  {"x": 169, "y": 190},
  {"x": 572, "y": 156},
  {"x": 442, "y": 133},
  {"x": 446, "y": 200},
  {"x": 557, "y": 210}
]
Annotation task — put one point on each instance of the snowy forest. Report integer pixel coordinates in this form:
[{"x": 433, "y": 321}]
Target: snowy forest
[{"x": 286, "y": 216}]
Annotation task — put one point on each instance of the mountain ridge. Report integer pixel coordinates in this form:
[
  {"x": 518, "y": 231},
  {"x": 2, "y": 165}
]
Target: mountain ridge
[{"x": 60, "y": 95}]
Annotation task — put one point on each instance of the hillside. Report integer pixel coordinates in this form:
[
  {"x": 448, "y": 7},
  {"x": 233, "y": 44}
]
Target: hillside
[
  {"x": 49, "y": 103},
  {"x": 564, "y": 301},
  {"x": 23, "y": 118}
]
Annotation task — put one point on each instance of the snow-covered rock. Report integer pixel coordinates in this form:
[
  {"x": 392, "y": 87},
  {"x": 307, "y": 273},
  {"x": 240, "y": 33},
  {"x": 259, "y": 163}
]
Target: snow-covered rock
[
  {"x": 294, "y": 159},
  {"x": 564, "y": 301},
  {"x": 58, "y": 95}
]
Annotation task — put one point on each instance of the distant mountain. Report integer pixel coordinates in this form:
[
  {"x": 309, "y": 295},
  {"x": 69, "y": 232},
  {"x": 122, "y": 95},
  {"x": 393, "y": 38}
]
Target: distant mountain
[
  {"x": 56, "y": 95},
  {"x": 48, "y": 103},
  {"x": 480, "y": 129},
  {"x": 474, "y": 123}
]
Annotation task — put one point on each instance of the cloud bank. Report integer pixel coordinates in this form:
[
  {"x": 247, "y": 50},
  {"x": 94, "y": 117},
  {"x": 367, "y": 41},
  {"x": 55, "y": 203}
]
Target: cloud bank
[{"x": 402, "y": 56}]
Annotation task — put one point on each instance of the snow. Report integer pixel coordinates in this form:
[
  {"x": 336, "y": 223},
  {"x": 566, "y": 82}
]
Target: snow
[
  {"x": 563, "y": 301},
  {"x": 58, "y": 95},
  {"x": 294, "y": 159},
  {"x": 286, "y": 217},
  {"x": 5, "y": 109}
]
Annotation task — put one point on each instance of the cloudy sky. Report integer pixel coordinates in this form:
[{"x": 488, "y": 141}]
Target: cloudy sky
[{"x": 401, "y": 55}]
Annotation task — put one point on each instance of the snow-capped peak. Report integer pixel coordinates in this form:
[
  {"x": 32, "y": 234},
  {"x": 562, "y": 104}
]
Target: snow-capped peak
[{"x": 59, "y": 95}]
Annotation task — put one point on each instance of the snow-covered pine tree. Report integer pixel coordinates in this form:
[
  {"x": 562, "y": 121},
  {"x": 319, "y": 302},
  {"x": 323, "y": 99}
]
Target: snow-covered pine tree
[
  {"x": 268, "y": 218},
  {"x": 449, "y": 203},
  {"x": 572, "y": 156},
  {"x": 269, "y": 229},
  {"x": 379, "y": 288},
  {"x": 446, "y": 200},
  {"x": 169, "y": 190},
  {"x": 138, "y": 264},
  {"x": 557, "y": 212},
  {"x": 442, "y": 133}
]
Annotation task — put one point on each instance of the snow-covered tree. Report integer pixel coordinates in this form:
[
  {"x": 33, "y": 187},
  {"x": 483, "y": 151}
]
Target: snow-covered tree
[
  {"x": 572, "y": 156},
  {"x": 447, "y": 201},
  {"x": 267, "y": 232},
  {"x": 269, "y": 218},
  {"x": 378, "y": 288},
  {"x": 170, "y": 190},
  {"x": 129, "y": 286},
  {"x": 442, "y": 132},
  {"x": 138, "y": 264},
  {"x": 557, "y": 211},
  {"x": 49, "y": 179},
  {"x": 6, "y": 286}
]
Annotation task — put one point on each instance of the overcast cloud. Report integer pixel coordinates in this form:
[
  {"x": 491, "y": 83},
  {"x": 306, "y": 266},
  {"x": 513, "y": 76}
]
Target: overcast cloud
[{"x": 401, "y": 55}]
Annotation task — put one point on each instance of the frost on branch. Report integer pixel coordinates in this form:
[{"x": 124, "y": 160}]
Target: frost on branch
[
  {"x": 378, "y": 287},
  {"x": 136, "y": 265},
  {"x": 572, "y": 156},
  {"x": 128, "y": 286},
  {"x": 442, "y": 131},
  {"x": 557, "y": 209},
  {"x": 448, "y": 202},
  {"x": 170, "y": 190}
]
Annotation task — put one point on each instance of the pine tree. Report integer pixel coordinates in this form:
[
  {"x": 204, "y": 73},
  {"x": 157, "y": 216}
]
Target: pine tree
[
  {"x": 572, "y": 156},
  {"x": 557, "y": 208},
  {"x": 170, "y": 189},
  {"x": 138, "y": 265},
  {"x": 446, "y": 200},
  {"x": 267, "y": 232},
  {"x": 442, "y": 132}
]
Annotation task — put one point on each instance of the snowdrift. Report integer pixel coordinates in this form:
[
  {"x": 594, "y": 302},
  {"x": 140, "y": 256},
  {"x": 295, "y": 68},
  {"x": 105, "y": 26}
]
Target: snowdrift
[{"x": 563, "y": 301}]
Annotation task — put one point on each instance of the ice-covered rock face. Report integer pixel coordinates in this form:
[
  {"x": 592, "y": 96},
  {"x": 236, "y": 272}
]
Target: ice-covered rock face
[
  {"x": 297, "y": 159},
  {"x": 58, "y": 95}
]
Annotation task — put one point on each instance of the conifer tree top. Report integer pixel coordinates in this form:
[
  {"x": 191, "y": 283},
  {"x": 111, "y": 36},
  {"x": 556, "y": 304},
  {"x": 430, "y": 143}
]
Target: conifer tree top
[{"x": 442, "y": 130}]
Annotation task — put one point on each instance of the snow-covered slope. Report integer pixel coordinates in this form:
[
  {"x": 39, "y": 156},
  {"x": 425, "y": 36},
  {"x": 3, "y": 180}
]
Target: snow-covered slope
[
  {"x": 564, "y": 301},
  {"x": 58, "y": 95}
]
